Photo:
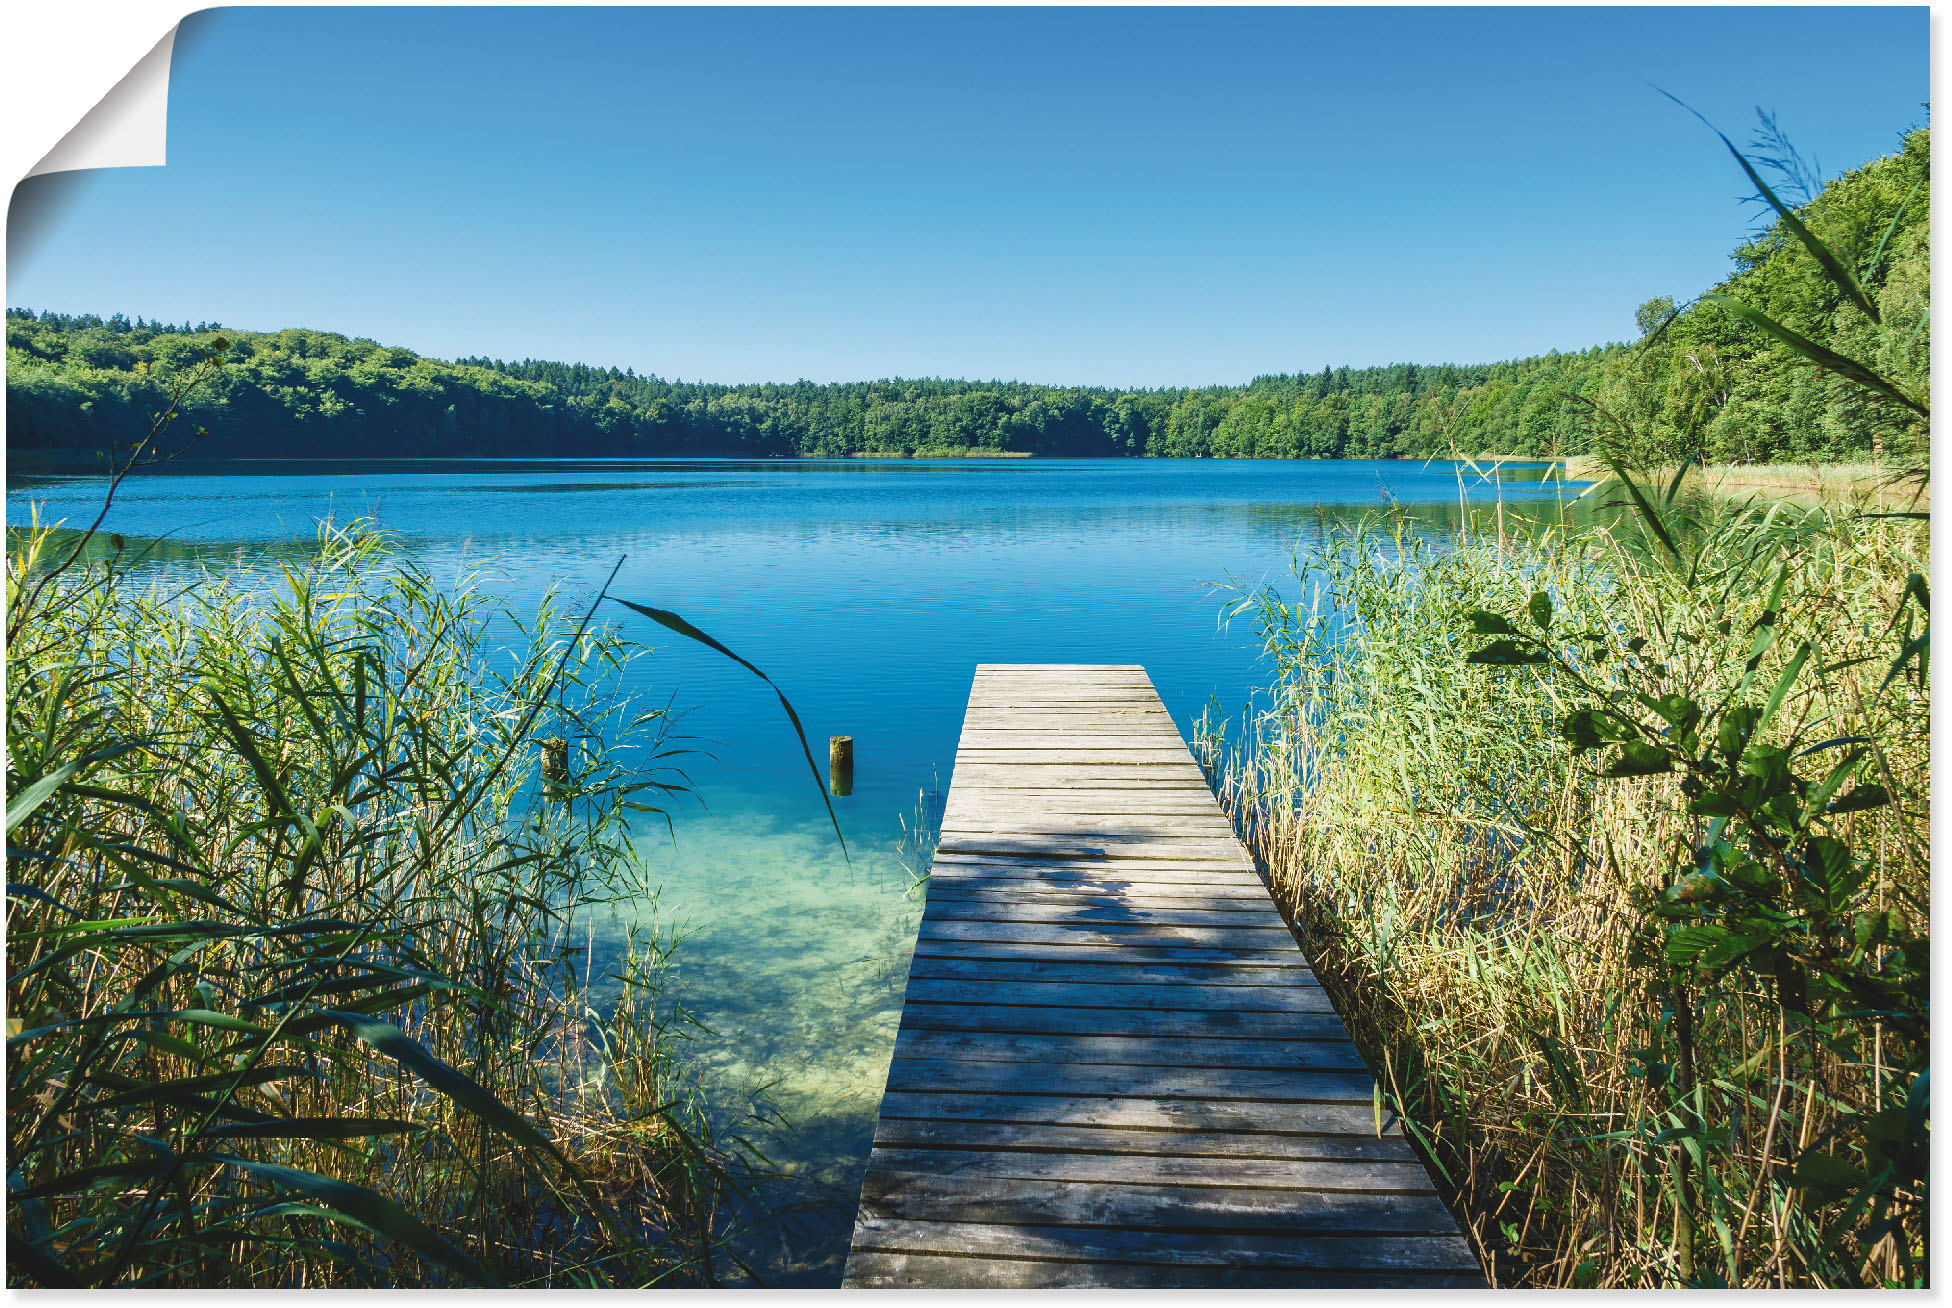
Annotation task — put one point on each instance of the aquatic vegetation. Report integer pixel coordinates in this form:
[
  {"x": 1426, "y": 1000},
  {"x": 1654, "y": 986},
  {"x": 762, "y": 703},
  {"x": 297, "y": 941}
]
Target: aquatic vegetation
[
  {"x": 301, "y": 989},
  {"x": 921, "y": 830}
]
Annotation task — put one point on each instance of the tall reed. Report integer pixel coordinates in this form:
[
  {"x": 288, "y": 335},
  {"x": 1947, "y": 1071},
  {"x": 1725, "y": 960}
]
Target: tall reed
[
  {"x": 1482, "y": 901},
  {"x": 303, "y": 986}
]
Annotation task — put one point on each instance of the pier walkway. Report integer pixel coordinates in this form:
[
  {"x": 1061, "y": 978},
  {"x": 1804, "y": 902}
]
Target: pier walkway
[{"x": 1114, "y": 1066}]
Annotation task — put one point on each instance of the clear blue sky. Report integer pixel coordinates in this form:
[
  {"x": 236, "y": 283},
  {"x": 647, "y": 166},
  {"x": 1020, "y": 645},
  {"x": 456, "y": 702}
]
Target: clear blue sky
[{"x": 1110, "y": 196}]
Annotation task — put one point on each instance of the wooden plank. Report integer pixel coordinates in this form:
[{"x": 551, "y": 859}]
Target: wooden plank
[
  {"x": 1110, "y": 715},
  {"x": 1122, "y": 885},
  {"x": 1030, "y": 695},
  {"x": 1125, "y": 1112},
  {"x": 947, "y": 867},
  {"x": 1038, "y": 762},
  {"x": 956, "y": 887},
  {"x": 1063, "y": 828},
  {"x": 1152, "y": 777},
  {"x": 1116, "y": 969},
  {"x": 1204, "y": 914},
  {"x": 1159, "y": 735},
  {"x": 1114, "y": 1065},
  {"x": 1035, "y": 699},
  {"x": 1044, "y": 849},
  {"x": 1122, "y": 880},
  {"x": 1020, "y": 669},
  {"x": 1128, "y": 874},
  {"x": 1072, "y": 935},
  {"x": 1113, "y": 908},
  {"x": 1131, "y": 871},
  {"x": 1137, "y": 837},
  {"x": 1064, "y": 680},
  {"x": 1267, "y": 959},
  {"x": 1171, "y": 1248},
  {"x": 1000, "y": 701},
  {"x": 1236, "y": 1023},
  {"x": 1060, "y": 684},
  {"x": 1066, "y": 943},
  {"x": 1122, "y": 877},
  {"x": 1136, "y": 756},
  {"x": 1328, "y": 1176},
  {"x": 1011, "y": 676},
  {"x": 1134, "y": 837},
  {"x": 1028, "y": 690},
  {"x": 1007, "y": 1047},
  {"x": 1076, "y": 796},
  {"x": 1267, "y": 1085},
  {"x": 994, "y": 704},
  {"x": 1282, "y": 960},
  {"x": 1157, "y": 868},
  {"x": 1085, "y": 1203},
  {"x": 1070, "y": 671},
  {"x": 1064, "y": 1138},
  {"x": 1026, "y": 815},
  {"x": 1030, "y": 801},
  {"x": 871, "y": 1269},
  {"x": 1112, "y": 967}
]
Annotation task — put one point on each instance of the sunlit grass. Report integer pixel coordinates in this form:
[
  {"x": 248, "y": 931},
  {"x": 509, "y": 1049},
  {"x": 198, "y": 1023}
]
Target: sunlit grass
[{"x": 1471, "y": 892}]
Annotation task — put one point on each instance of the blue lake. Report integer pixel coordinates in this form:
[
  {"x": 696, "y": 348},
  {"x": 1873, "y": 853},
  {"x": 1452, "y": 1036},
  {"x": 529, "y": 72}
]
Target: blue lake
[{"x": 869, "y": 590}]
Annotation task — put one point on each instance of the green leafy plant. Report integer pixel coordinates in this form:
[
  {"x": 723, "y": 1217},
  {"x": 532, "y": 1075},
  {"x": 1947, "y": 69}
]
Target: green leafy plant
[{"x": 1766, "y": 890}]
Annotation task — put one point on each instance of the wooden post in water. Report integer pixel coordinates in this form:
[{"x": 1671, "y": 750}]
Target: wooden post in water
[
  {"x": 555, "y": 766},
  {"x": 840, "y": 765}
]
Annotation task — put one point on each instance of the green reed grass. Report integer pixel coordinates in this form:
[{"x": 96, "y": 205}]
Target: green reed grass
[
  {"x": 1478, "y": 897},
  {"x": 302, "y": 978}
]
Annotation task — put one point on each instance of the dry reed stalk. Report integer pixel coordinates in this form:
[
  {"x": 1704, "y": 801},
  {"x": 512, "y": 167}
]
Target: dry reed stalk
[{"x": 1470, "y": 896}]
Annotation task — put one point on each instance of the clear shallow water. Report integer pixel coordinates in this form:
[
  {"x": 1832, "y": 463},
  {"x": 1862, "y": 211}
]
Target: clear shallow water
[{"x": 869, "y": 590}]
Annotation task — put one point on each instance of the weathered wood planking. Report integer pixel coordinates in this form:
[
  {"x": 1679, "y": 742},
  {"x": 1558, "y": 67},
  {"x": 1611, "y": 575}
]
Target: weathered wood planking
[{"x": 1115, "y": 1067}]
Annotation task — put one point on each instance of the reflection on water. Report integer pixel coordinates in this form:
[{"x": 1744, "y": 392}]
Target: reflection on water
[{"x": 869, "y": 590}]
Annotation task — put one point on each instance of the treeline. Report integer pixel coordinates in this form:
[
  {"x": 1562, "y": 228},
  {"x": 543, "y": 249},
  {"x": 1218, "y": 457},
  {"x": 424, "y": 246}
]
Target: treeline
[
  {"x": 1701, "y": 381},
  {"x": 80, "y": 382}
]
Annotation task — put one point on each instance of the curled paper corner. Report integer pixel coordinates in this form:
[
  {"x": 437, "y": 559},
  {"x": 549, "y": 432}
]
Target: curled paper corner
[{"x": 128, "y": 128}]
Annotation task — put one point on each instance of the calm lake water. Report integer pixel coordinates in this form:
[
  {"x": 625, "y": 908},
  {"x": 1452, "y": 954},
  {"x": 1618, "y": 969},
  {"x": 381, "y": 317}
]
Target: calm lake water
[{"x": 869, "y": 590}]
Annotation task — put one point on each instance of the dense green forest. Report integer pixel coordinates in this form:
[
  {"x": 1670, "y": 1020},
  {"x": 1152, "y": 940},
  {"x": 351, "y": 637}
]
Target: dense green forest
[{"x": 1699, "y": 381}]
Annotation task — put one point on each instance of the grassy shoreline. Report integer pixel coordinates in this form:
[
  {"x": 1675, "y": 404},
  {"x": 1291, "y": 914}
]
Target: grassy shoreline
[
  {"x": 1842, "y": 481},
  {"x": 1480, "y": 901}
]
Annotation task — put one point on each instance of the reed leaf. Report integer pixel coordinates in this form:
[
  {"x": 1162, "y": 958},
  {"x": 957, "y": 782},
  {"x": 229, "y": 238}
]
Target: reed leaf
[
  {"x": 1832, "y": 266},
  {"x": 1820, "y": 355},
  {"x": 666, "y": 618}
]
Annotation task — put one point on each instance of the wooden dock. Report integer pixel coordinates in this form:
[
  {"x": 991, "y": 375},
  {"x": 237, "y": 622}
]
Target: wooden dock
[{"x": 1115, "y": 1067}]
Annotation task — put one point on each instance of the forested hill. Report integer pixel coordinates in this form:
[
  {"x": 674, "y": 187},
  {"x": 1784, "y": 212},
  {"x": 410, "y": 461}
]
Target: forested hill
[
  {"x": 1705, "y": 381},
  {"x": 78, "y": 382}
]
